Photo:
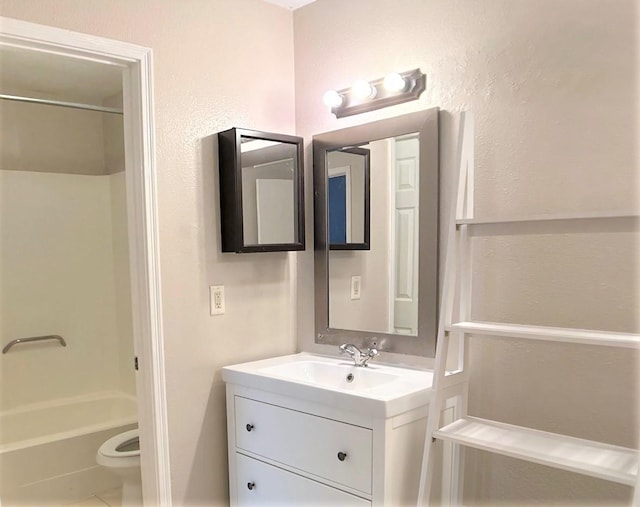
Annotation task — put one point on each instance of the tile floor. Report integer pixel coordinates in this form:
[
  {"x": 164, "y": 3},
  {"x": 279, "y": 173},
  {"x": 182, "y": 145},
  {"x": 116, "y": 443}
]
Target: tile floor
[{"x": 111, "y": 497}]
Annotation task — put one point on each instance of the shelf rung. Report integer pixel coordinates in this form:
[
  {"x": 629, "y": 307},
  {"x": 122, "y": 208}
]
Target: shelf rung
[
  {"x": 549, "y": 218},
  {"x": 596, "y": 459},
  {"x": 559, "y": 334}
]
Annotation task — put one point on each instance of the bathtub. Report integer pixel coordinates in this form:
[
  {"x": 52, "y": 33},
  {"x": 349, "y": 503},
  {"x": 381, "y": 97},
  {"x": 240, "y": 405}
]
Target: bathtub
[{"x": 47, "y": 450}]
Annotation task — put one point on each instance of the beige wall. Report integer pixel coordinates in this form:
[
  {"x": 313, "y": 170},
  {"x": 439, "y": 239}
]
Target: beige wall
[
  {"x": 217, "y": 64},
  {"x": 552, "y": 86}
]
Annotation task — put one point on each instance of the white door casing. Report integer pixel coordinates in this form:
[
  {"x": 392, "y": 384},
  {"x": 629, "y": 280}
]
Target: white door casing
[{"x": 142, "y": 219}]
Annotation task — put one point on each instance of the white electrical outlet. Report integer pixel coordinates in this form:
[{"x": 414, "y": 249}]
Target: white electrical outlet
[
  {"x": 355, "y": 287},
  {"x": 216, "y": 299}
]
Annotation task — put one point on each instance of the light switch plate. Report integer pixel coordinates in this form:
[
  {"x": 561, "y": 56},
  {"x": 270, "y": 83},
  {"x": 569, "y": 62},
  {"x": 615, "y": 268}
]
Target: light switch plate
[{"x": 355, "y": 287}]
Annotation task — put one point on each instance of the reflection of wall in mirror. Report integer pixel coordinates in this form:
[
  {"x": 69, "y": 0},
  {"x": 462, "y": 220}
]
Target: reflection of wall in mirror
[
  {"x": 371, "y": 311},
  {"x": 280, "y": 170},
  {"x": 274, "y": 201}
]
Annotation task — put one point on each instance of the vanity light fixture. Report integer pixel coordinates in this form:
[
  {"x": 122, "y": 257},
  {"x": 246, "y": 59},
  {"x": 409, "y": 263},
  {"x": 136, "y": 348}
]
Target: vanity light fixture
[
  {"x": 363, "y": 96},
  {"x": 362, "y": 90},
  {"x": 394, "y": 82},
  {"x": 332, "y": 98}
]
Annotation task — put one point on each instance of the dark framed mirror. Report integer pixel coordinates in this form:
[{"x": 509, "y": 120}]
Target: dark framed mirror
[
  {"x": 389, "y": 291},
  {"x": 348, "y": 198},
  {"x": 261, "y": 191}
]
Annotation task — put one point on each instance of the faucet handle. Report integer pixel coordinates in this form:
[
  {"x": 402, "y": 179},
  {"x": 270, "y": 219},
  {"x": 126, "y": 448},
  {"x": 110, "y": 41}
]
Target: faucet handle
[
  {"x": 354, "y": 352},
  {"x": 349, "y": 348},
  {"x": 369, "y": 354}
]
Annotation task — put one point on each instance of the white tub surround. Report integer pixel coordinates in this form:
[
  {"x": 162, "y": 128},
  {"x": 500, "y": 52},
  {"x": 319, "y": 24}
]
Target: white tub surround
[
  {"x": 47, "y": 450},
  {"x": 305, "y": 429}
]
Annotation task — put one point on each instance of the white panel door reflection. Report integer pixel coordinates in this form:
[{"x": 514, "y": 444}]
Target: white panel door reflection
[{"x": 404, "y": 232}]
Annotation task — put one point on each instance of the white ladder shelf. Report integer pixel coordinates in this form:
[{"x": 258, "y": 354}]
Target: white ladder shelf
[
  {"x": 595, "y": 459},
  {"x": 556, "y": 334}
]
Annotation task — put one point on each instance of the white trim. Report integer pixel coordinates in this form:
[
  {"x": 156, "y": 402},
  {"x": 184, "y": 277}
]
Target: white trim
[{"x": 142, "y": 221}]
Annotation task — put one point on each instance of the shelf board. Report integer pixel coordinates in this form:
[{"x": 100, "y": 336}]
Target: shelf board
[
  {"x": 558, "y": 334},
  {"x": 609, "y": 462},
  {"x": 548, "y": 218}
]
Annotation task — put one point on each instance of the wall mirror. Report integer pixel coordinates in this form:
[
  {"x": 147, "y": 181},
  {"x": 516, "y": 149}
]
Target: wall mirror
[
  {"x": 388, "y": 290},
  {"x": 261, "y": 189}
]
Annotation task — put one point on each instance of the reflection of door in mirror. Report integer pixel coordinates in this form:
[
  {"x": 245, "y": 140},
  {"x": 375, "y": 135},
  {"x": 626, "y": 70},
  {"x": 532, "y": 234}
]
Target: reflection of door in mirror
[
  {"x": 268, "y": 192},
  {"x": 388, "y": 296},
  {"x": 404, "y": 184}
]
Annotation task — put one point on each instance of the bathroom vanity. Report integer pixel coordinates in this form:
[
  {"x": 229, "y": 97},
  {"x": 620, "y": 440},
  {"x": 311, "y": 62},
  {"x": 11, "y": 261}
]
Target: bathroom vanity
[{"x": 312, "y": 430}]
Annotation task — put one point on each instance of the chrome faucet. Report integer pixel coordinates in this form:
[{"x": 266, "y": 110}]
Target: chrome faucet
[{"x": 360, "y": 358}]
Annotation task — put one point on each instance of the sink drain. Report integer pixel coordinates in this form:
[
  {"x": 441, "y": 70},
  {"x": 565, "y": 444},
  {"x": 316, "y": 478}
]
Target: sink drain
[{"x": 350, "y": 377}]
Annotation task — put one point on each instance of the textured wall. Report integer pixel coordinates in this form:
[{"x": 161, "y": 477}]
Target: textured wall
[
  {"x": 217, "y": 64},
  {"x": 553, "y": 86}
]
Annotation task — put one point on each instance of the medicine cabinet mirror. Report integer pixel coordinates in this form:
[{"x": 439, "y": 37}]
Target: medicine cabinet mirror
[
  {"x": 348, "y": 198},
  {"x": 261, "y": 191},
  {"x": 387, "y": 290}
]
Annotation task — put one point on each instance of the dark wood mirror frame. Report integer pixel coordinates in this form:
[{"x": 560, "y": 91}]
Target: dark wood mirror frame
[
  {"x": 426, "y": 124},
  {"x": 231, "y": 210},
  {"x": 366, "y": 244}
]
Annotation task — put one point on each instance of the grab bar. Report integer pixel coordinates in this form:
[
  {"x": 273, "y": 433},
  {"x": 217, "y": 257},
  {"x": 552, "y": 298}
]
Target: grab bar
[{"x": 34, "y": 339}]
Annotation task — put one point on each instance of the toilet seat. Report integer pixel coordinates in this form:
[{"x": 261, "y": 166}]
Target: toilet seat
[
  {"x": 110, "y": 447},
  {"x": 109, "y": 455},
  {"x": 124, "y": 463}
]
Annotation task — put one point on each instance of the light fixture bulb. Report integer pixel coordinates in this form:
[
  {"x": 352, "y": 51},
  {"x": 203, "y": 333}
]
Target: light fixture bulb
[
  {"x": 394, "y": 82},
  {"x": 363, "y": 90},
  {"x": 332, "y": 99}
]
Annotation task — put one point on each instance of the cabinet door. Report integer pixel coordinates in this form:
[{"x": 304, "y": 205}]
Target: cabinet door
[
  {"x": 261, "y": 484},
  {"x": 329, "y": 449}
]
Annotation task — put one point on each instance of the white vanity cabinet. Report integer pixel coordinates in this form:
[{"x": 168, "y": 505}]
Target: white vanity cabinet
[{"x": 285, "y": 450}]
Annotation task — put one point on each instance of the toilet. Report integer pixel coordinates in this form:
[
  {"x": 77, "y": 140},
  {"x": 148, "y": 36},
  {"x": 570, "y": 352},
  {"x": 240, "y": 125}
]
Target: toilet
[{"x": 121, "y": 456}]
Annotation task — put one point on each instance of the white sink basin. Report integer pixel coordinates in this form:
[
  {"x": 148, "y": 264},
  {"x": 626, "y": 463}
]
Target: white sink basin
[
  {"x": 377, "y": 390},
  {"x": 332, "y": 375}
]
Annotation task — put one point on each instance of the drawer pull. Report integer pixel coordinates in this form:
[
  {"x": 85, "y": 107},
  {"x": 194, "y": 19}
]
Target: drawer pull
[
  {"x": 342, "y": 456},
  {"x": 251, "y": 485},
  {"x": 249, "y": 427}
]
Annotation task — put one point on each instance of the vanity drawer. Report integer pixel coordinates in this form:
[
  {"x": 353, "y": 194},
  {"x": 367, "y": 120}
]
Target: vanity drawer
[
  {"x": 329, "y": 449},
  {"x": 258, "y": 483}
]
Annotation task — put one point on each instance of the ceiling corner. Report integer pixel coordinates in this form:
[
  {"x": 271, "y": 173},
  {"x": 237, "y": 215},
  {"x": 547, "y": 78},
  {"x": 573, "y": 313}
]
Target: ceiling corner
[{"x": 291, "y": 5}]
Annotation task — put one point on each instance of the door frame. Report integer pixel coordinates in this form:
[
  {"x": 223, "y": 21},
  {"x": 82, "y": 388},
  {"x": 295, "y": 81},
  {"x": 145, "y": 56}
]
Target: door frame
[{"x": 142, "y": 220}]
